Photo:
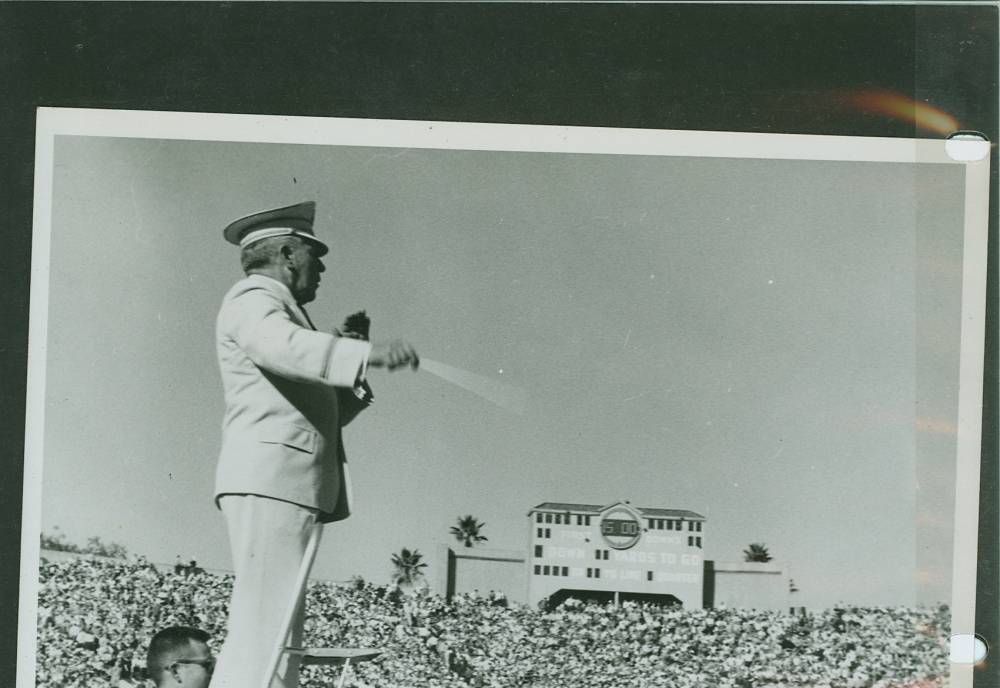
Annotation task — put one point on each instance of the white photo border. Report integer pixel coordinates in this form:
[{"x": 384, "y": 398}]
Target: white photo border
[{"x": 52, "y": 122}]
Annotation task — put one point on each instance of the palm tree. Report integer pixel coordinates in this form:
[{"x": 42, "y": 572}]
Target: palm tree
[
  {"x": 408, "y": 567},
  {"x": 757, "y": 551},
  {"x": 467, "y": 531}
]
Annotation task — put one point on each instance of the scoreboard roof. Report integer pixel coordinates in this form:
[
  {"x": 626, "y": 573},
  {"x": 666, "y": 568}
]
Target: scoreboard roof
[{"x": 596, "y": 509}]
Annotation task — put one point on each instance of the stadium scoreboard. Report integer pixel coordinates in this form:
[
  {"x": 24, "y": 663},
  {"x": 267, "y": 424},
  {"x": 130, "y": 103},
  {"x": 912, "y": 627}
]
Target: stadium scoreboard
[{"x": 617, "y": 551}]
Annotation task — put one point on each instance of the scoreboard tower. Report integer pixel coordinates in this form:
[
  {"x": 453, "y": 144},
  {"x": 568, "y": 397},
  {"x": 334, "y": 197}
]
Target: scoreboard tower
[{"x": 617, "y": 552}]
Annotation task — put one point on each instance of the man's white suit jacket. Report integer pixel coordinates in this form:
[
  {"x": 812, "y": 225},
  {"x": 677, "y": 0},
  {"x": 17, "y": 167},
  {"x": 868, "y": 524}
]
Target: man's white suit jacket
[{"x": 288, "y": 390}]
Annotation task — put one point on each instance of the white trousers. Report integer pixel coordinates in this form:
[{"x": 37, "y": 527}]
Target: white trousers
[{"x": 268, "y": 540}]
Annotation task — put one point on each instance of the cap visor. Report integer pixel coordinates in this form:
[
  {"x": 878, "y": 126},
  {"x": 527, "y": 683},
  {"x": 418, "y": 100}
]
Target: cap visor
[{"x": 322, "y": 248}]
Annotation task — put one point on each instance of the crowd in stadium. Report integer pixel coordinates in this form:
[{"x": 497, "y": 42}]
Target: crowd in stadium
[{"x": 95, "y": 618}]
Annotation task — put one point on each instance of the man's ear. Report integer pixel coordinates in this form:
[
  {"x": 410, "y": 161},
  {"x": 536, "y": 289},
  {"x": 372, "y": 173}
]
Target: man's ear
[{"x": 287, "y": 253}]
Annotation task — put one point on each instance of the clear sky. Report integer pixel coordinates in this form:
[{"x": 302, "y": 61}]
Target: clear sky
[{"x": 772, "y": 344}]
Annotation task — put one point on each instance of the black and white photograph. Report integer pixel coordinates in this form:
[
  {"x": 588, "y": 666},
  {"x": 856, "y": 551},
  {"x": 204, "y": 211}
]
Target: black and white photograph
[
  {"x": 542, "y": 345},
  {"x": 640, "y": 408}
]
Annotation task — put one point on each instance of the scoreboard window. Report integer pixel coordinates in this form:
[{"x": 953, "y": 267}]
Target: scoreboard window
[
  {"x": 548, "y": 518},
  {"x": 538, "y": 550},
  {"x": 565, "y": 570},
  {"x": 538, "y": 569},
  {"x": 538, "y": 517},
  {"x": 619, "y": 527}
]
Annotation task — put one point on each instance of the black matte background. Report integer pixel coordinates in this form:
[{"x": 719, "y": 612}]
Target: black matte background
[{"x": 757, "y": 68}]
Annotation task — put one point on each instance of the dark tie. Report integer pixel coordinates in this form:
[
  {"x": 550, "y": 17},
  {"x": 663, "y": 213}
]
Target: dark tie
[{"x": 308, "y": 319}]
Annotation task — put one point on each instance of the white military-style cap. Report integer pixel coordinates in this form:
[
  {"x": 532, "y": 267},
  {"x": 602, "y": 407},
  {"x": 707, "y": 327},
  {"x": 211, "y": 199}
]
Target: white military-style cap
[{"x": 293, "y": 220}]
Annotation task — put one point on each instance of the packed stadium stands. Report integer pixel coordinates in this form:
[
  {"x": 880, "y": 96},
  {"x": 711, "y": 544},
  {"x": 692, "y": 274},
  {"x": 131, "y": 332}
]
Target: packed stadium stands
[{"x": 96, "y": 616}]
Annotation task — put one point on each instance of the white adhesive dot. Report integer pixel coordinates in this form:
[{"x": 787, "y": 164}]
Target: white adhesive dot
[
  {"x": 967, "y": 649},
  {"x": 967, "y": 146}
]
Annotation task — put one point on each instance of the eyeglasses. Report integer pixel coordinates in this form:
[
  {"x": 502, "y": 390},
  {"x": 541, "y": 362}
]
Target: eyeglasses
[{"x": 206, "y": 664}]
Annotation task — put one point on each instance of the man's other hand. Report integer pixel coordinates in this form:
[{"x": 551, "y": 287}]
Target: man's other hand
[
  {"x": 355, "y": 326},
  {"x": 393, "y": 354}
]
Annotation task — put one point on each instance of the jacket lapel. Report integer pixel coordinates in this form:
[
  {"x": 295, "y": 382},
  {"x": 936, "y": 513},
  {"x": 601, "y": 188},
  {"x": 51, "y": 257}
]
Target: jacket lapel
[
  {"x": 298, "y": 312},
  {"x": 308, "y": 320}
]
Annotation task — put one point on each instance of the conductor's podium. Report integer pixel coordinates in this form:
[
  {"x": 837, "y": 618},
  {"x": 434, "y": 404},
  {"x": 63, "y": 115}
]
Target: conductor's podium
[
  {"x": 312, "y": 656},
  {"x": 334, "y": 656}
]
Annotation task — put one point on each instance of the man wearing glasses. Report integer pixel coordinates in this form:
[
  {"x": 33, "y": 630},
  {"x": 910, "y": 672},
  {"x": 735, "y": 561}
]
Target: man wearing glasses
[{"x": 179, "y": 657}]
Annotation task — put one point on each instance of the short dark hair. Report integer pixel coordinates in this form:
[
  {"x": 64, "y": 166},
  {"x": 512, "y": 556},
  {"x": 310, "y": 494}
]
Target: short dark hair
[{"x": 168, "y": 641}]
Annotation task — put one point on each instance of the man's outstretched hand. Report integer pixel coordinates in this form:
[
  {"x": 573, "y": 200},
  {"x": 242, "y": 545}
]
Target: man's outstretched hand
[{"x": 393, "y": 354}]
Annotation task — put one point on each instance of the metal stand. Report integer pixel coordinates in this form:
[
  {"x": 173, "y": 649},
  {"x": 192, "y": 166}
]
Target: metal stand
[
  {"x": 332, "y": 656},
  {"x": 329, "y": 656}
]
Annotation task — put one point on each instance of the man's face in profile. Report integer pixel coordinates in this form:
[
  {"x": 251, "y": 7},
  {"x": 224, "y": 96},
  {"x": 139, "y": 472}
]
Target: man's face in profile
[{"x": 308, "y": 268}]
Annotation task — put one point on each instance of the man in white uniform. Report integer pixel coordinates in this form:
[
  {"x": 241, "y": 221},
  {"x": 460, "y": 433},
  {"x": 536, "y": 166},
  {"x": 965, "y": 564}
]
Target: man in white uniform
[{"x": 289, "y": 390}]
